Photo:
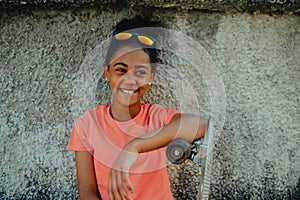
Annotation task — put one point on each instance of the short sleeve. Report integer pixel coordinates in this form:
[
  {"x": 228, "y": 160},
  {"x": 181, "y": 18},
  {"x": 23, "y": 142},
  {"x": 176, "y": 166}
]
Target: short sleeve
[
  {"x": 162, "y": 115},
  {"x": 78, "y": 139},
  {"x": 170, "y": 113}
]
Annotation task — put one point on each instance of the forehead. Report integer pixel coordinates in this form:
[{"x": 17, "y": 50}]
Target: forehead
[{"x": 130, "y": 55}]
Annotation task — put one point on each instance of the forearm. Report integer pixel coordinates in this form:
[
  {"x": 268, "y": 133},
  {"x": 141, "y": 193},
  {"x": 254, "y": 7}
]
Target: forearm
[
  {"x": 86, "y": 178},
  {"x": 88, "y": 196},
  {"x": 188, "y": 127}
]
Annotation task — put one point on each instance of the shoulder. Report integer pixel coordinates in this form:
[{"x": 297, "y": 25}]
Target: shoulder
[
  {"x": 100, "y": 108},
  {"x": 157, "y": 108},
  {"x": 93, "y": 113},
  {"x": 160, "y": 112}
]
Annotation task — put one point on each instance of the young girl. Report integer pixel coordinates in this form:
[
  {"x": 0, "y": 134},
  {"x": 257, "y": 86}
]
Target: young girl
[{"x": 119, "y": 147}]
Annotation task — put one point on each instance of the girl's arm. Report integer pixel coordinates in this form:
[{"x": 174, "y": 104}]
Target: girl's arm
[
  {"x": 184, "y": 126},
  {"x": 87, "y": 184}
]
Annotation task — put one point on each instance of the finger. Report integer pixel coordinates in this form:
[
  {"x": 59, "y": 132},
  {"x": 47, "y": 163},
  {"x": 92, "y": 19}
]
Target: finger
[
  {"x": 126, "y": 180},
  {"x": 113, "y": 190},
  {"x": 109, "y": 189},
  {"x": 110, "y": 194},
  {"x": 121, "y": 187}
]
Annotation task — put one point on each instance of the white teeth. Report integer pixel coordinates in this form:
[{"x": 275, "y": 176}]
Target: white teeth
[{"x": 128, "y": 91}]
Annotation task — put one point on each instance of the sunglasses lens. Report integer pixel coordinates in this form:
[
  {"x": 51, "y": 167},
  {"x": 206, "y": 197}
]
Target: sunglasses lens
[
  {"x": 145, "y": 40},
  {"x": 123, "y": 36},
  {"x": 142, "y": 38}
]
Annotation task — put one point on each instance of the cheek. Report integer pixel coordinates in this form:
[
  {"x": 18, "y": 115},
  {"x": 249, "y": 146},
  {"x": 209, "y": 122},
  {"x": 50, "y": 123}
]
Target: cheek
[
  {"x": 142, "y": 82},
  {"x": 146, "y": 79},
  {"x": 114, "y": 79},
  {"x": 112, "y": 84}
]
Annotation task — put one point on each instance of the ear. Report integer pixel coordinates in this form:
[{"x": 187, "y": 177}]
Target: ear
[
  {"x": 152, "y": 77},
  {"x": 106, "y": 73}
]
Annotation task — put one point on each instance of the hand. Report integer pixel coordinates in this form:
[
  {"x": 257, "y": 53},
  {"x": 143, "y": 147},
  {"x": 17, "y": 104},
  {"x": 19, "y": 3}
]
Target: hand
[{"x": 119, "y": 183}]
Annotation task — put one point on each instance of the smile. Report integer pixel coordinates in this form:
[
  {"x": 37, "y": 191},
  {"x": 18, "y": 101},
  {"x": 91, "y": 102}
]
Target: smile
[{"x": 129, "y": 91}]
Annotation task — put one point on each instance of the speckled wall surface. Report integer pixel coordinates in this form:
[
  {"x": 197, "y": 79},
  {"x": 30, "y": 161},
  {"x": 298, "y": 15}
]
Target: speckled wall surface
[{"x": 257, "y": 155}]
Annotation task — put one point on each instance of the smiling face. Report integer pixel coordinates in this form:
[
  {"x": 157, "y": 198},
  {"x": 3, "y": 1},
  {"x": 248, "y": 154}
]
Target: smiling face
[{"x": 129, "y": 74}]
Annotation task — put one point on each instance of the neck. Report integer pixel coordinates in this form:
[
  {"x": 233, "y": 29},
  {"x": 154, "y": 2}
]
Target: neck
[{"x": 124, "y": 113}]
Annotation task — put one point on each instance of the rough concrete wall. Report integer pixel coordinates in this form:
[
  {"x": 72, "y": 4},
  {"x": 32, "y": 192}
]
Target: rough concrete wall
[
  {"x": 264, "y": 6},
  {"x": 260, "y": 62},
  {"x": 257, "y": 156}
]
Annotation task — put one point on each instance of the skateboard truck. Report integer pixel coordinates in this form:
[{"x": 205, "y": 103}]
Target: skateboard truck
[{"x": 180, "y": 150}]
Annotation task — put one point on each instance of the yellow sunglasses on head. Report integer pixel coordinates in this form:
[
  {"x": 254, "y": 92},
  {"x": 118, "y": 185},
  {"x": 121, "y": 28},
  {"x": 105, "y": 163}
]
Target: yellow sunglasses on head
[{"x": 144, "y": 39}]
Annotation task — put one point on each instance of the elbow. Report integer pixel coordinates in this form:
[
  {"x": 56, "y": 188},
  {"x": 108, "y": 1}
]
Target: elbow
[
  {"x": 202, "y": 123},
  {"x": 196, "y": 126}
]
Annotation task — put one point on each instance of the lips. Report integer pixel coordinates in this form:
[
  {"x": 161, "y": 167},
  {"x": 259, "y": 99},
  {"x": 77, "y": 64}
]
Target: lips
[{"x": 129, "y": 91}]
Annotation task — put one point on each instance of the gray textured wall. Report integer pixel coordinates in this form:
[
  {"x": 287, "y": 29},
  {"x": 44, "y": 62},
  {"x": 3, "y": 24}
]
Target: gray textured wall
[{"x": 41, "y": 51}]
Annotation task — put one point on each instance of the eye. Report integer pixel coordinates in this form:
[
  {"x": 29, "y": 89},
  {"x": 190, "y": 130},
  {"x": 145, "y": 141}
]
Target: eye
[
  {"x": 141, "y": 72},
  {"x": 120, "y": 70}
]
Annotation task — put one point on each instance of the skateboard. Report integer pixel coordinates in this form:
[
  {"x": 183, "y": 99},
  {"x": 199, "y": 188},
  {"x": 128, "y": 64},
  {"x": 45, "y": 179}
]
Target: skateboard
[{"x": 200, "y": 152}]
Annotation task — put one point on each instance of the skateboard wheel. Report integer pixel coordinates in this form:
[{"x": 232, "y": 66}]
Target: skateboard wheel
[{"x": 178, "y": 151}]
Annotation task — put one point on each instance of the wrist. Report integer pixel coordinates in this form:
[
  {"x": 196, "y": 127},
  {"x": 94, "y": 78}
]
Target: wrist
[{"x": 132, "y": 146}]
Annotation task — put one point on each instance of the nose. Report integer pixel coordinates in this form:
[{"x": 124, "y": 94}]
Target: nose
[{"x": 130, "y": 79}]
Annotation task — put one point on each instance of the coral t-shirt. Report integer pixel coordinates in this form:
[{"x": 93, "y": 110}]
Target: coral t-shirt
[{"x": 98, "y": 132}]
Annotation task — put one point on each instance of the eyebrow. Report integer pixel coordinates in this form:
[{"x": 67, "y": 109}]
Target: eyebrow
[
  {"x": 125, "y": 65},
  {"x": 120, "y": 63},
  {"x": 141, "y": 66}
]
